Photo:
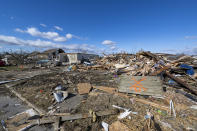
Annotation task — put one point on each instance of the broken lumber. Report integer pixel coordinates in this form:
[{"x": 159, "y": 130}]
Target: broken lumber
[
  {"x": 151, "y": 55},
  {"x": 87, "y": 115},
  {"x": 118, "y": 126},
  {"x": 60, "y": 114},
  {"x": 40, "y": 111},
  {"x": 189, "y": 96},
  {"x": 84, "y": 88},
  {"x": 160, "y": 70},
  {"x": 112, "y": 91},
  {"x": 57, "y": 124},
  {"x": 179, "y": 81},
  {"x": 9, "y": 81},
  {"x": 152, "y": 104},
  {"x": 104, "y": 88},
  {"x": 53, "y": 119}
]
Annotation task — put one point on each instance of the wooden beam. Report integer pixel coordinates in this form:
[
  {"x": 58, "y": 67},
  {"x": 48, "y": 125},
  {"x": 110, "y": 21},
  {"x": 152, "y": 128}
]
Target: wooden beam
[
  {"x": 106, "y": 89},
  {"x": 159, "y": 106},
  {"x": 155, "y": 57},
  {"x": 112, "y": 91},
  {"x": 179, "y": 81},
  {"x": 40, "y": 111},
  {"x": 160, "y": 70},
  {"x": 53, "y": 119},
  {"x": 57, "y": 124}
]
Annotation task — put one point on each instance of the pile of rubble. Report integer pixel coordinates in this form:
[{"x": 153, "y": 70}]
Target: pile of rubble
[
  {"x": 142, "y": 63},
  {"x": 119, "y": 92}
]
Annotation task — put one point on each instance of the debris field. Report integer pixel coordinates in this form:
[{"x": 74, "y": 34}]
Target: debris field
[{"x": 118, "y": 92}]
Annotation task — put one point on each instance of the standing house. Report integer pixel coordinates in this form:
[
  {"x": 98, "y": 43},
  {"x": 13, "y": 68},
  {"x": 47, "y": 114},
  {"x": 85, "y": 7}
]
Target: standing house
[{"x": 75, "y": 58}]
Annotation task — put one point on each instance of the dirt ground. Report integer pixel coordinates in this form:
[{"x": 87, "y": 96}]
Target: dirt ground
[
  {"x": 39, "y": 91},
  {"x": 103, "y": 101},
  {"x": 10, "y": 105}
]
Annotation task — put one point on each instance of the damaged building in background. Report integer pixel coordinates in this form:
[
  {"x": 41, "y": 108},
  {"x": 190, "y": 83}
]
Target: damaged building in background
[
  {"x": 59, "y": 57},
  {"x": 75, "y": 58},
  {"x": 120, "y": 92}
]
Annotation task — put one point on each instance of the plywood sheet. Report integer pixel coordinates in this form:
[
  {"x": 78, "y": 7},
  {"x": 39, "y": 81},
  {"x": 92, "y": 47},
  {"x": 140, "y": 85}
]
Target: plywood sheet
[
  {"x": 145, "y": 85},
  {"x": 84, "y": 88}
]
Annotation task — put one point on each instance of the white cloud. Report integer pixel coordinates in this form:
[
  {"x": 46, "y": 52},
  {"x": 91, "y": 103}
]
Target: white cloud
[
  {"x": 19, "y": 30},
  {"x": 190, "y": 37},
  {"x": 47, "y": 35},
  {"x": 11, "y": 40},
  {"x": 108, "y": 42},
  {"x": 43, "y": 25},
  {"x": 188, "y": 51},
  {"x": 60, "y": 39},
  {"x": 69, "y": 36},
  {"x": 58, "y": 28},
  {"x": 113, "y": 47}
]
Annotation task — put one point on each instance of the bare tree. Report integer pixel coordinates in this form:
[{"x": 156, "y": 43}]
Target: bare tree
[{"x": 18, "y": 58}]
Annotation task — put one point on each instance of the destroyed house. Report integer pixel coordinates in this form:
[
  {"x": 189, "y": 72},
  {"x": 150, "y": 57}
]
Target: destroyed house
[
  {"x": 53, "y": 53},
  {"x": 37, "y": 56},
  {"x": 74, "y": 58}
]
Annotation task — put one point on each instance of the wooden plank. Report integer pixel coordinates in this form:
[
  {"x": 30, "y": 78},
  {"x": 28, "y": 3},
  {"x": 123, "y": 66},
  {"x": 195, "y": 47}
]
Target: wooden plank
[
  {"x": 84, "y": 88},
  {"x": 144, "y": 85},
  {"x": 160, "y": 70},
  {"x": 40, "y": 111},
  {"x": 57, "y": 124},
  {"x": 87, "y": 115},
  {"x": 53, "y": 119},
  {"x": 118, "y": 126},
  {"x": 191, "y": 89},
  {"x": 105, "y": 88},
  {"x": 14, "y": 123},
  {"x": 60, "y": 114},
  {"x": 155, "y": 57},
  {"x": 159, "y": 106}
]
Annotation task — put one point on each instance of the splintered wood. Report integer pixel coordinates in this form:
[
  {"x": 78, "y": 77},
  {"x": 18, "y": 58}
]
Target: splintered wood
[
  {"x": 112, "y": 91},
  {"x": 83, "y": 88},
  {"x": 18, "y": 121},
  {"x": 118, "y": 126}
]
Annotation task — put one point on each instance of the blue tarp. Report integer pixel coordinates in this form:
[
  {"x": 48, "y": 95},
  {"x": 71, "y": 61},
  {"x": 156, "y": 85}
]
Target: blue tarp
[
  {"x": 42, "y": 61},
  {"x": 190, "y": 70}
]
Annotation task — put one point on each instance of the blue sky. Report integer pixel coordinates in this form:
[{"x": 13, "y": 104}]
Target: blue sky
[{"x": 99, "y": 25}]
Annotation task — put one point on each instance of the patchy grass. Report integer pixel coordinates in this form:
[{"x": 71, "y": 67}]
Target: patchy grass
[{"x": 10, "y": 68}]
